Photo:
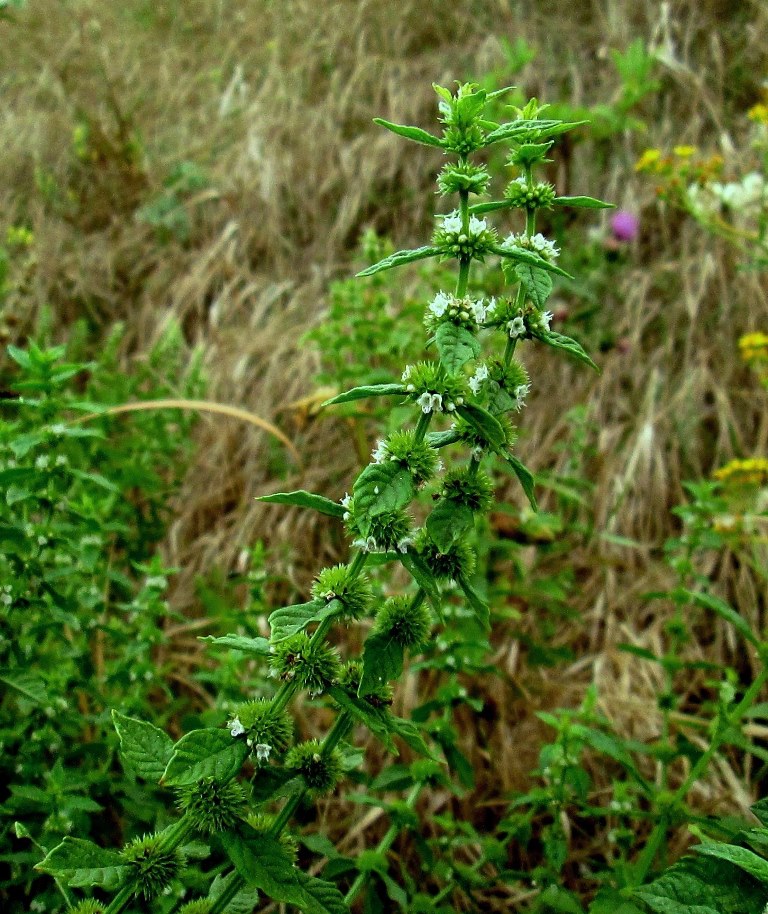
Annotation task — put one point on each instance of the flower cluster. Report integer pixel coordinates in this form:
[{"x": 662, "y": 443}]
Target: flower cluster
[
  {"x": 472, "y": 242},
  {"x": 752, "y": 471},
  {"x": 462, "y": 176},
  {"x": 463, "y": 312},
  {"x": 405, "y": 449},
  {"x": 527, "y": 195},
  {"x": 537, "y": 244},
  {"x": 427, "y": 385}
]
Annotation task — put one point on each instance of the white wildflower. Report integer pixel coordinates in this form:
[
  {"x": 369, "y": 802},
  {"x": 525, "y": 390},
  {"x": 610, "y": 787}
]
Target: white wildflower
[
  {"x": 516, "y": 327},
  {"x": 521, "y": 392},
  {"x": 380, "y": 452},
  {"x": 58, "y": 428},
  {"x": 157, "y": 582},
  {"x": 262, "y": 751},
  {"x": 42, "y": 462},
  {"x": 407, "y": 373},
  {"x": 235, "y": 727},
  {"x": 439, "y": 305},
  {"x": 477, "y": 453},
  {"x": 62, "y": 460},
  {"x": 545, "y": 318},
  {"x": 403, "y": 544},
  {"x": 430, "y": 402},
  {"x": 346, "y": 501},
  {"x": 537, "y": 243},
  {"x": 452, "y": 222},
  {"x": 476, "y": 381},
  {"x": 476, "y": 226},
  {"x": 479, "y": 310}
]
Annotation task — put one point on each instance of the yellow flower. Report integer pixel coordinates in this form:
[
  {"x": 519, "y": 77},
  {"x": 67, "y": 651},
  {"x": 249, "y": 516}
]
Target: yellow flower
[
  {"x": 648, "y": 160},
  {"x": 758, "y": 113},
  {"x": 754, "y": 347},
  {"x": 684, "y": 152},
  {"x": 752, "y": 471}
]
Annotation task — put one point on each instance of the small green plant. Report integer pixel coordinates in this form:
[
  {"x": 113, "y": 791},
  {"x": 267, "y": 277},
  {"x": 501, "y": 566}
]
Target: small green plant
[{"x": 464, "y": 400}]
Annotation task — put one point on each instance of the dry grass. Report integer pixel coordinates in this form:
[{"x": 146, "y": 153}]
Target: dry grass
[{"x": 274, "y": 102}]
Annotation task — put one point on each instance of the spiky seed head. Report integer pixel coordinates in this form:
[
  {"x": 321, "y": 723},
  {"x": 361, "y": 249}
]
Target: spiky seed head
[
  {"x": 339, "y": 583},
  {"x": 321, "y": 771},
  {"x": 416, "y": 456},
  {"x": 212, "y": 807},
  {"x": 263, "y": 725},
  {"x": 382, "y": 695},
  {"x": 313, "y": 666},
  {"x": 87, "y": 906},
  {"x": 458, "y": 561},
  {"x": 406, "y": 623},
  {"x": 262, "y": 822},
  {"x": 199, "y": 906},
  {"x": 464, "y": 488},
  {"x": 151, "y": 869}
]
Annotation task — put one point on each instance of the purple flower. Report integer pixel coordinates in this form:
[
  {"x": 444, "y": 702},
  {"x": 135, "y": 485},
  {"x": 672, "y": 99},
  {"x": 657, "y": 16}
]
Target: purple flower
[{"x": 624, "y": 225}]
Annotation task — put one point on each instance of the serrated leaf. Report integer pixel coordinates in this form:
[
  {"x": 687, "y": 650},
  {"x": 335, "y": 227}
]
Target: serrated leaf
[
  {"x": 144, "y": 748},
  {"x": 521, "y": 255},
  {"x": 584, "y": 202},
  {"x": 379, "y": 488},
  {"x": 209, "y": 753},
  {"x": 483, "y": 422},
  {"x": 382, "y": 663},
  {"x": 400, "y": 258},
  {"x": 82, "y": 864},
  {"x": 477, "y": 603},
  {"x": 30, "y": 685},
  {"x": 456, "y": 346},
  {"x": 257, "y": 646},
  {"x": 536, "y": 282},
  {"x": 741, "y": 857},
  {"x": 290, "y": 620},
  {"x": 448, "y": 522},
  {"x": 419, "y": 571},
  {"x": 558, "y": 341},
  {"x": 377, "y": 720},
  {"x": 514, "y": 129},
  {"x": 525, "y": 477},
  {"x": 262, "y": 862},
  {"x": 368, "y": 390},
  {"x": 411, "y": 133},
  {"x": 303, "y": 499},
  {"x": 716, "y": 605}
]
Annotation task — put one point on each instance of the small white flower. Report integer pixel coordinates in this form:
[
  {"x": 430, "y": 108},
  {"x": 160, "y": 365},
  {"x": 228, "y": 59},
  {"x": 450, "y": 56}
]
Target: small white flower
[
  {"x": 479, "y": 310},
  {"x": 42, "y": 462},
  {"x": 235, "y": 727},
  {"x": 545, "y": 318},
  {"x": 403, "y": 544},
  {"x": 439, "y": 305},
  {"x": 452, "y": 222},
  {"x": 425, "y": 402},
  {"x": 346, "y": 501},
  {"x": 521, "y": 392},
  {"x": 380, "y": 452},
  {"x": 61, "y": 460},
  {"x": 477, "y": 453},
  {"x": 516, "y": 327},
  {"x": 58, "y": 428},
  {"x": 407, "y": 373},
  {"x": 157, "y": 582},
  {"x": 476, "y": 381},
  {"x": 536, "y": 243},
  {"x": 6, "y": 599},
  {"x": 476, "y": 226},
  {"x": 262, "y": 751}
]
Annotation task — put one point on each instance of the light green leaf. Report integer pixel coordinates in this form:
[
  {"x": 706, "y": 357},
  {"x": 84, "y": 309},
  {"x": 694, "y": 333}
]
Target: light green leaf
[
  {"x": 370, "y": 390},
  {"x": 491, "y": 206},
  {"x": 399, "y": 258},
  {"x": 483, "y": 422},
  {"x": 525, "y": 477},
  {"x": 379, "y": 488},
  {"x": 293, "y": 619},
  {"x": 526, "y": 129},
  {"x": 209, "y": 753},
  {"x": 303, "y": 499},
  {"x": 741, "y": 857},
  {"x": 82, "y": 864},
  {"x": 144, "y": 748},
  {"x": 448, "y": 522},
  {"x": 410, "y": 735},
  {"x": 536, "y": 282},
  {"x": 30, "y": 685},
  {"x": 558, "y": 341},
  {"x": 521, "y": 255},
  {"x": 456, "y": 346},
  {"x": 259, "y": 647},
  {"x": 244, "y": 902},
  {"x": 382, "y": 663},
  {"x": 411, "y": 133},
  {"x": 585, "y": 202},
  {"x": 477, "y": 603}
]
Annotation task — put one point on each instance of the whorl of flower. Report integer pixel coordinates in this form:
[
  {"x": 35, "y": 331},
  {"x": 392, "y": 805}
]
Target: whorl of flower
[
  {"x": 212, "y": 807},
  {"x": 540, "y": 320},
  {"x": 516, "y": 327},
  {"x": 313, "y": 666},
  {"x": 458, "y": 176},
  {"x": 381, "y": 695},
  {"x": 537, "y": 196},
  {"x": 478, "y": 378},
  {"x": 198, "y": 906},
  {"x": 406, "y": 623},
  {"x": 458, "y": 561},
  {"x": 150, "y": 869},
  {"x": 321, "y": 770},
  {"x": 537, "y": 244},
  {"x": 416, "y": 456},
  {"x": 475, "y": 242},
  {"x": 754, "y": 347},
  {"x": 465, "y": 488},
  {"x": 87, "y": 906},
  {"x": 752, "y": 471},
  {"x": 463, "y": 312},
  {"x": 464, "y": 141},
  {"x": 262, "y": 725},
  {"x": 432, "y": 390},
  {"x": 339, "y": 583},
  {"x": 262, "y": 823},
  {"x": 388, "y": 531}
]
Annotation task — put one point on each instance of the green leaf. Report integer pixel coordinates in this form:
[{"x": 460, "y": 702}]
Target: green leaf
[
  {"x": 399, "y": 258},
  {"x": 30, "y": 685},
  {"x": 477, "y": 603},
  {"x": 370, "y": 390},
  {"x": 144, "y": 748},
  {"x": 491, "y": 206},
  {"x": 521, "y": 255},
  {"x": 82, "y": 864},
  {"x": 293, "y": 619},
  {"x": 411, "y": 133},
  {"x": 456, "y": 346},
  {"x": 244, "y": 902},
  {"x": 558, "y": 341},
  {"x": 527, "y": 129},
  {"x": 303, "y": 499},
  {"x": 377, "y": 720},
  {"x": 262, "y": 862},
  {"x": 585, "y": 202},
  {"x": 483, "y": 422},
  {"x": 379, "y": 488},
  {"x": 410, "y": 735},
  {"x": 442, "y": 439},
  {"x": 259, "y": 647},
  {"x": 741, "y": 857},
  {"x": 536, "y": 282},
  {"x": 209, "y": 753},
  {"x": 448, "y": 522},
  {"x": 419, "y": 571},
  {"x": 725, "y": 612},
  {"x": 382, "y": 663},
  {"x": 525, "y": 477}
]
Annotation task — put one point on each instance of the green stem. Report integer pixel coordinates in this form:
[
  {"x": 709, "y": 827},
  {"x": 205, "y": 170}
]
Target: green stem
[
  {"x": 463, "y": 280},
  {"x": 120, "y": 900},
  {"x": 356, "y": 565},
  {"x": 384, "y": 845},
  {"x": 423, "y": 425}
]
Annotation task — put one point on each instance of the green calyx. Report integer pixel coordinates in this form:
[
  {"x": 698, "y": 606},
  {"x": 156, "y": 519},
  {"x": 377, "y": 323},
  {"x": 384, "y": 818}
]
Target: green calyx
[
  {"x": 416, "y": 456},
  {"x": 263, "y": 726},
  {"x": 263, "y": 824},
  {"x": 536, "y": 196},
  {"x": 152, "y": 869},
  {"x": 456, "y": 562},
  {"x": 405, "y": 621},
  {"x": 428, "y": 386},
  {"x": 472, "y": 244},
  {"x": 463, "y": 176},
  {"x": 212, "y": 807},
  {"x": 339, "y": 583},
  {"x": 321, "y": 771},
  {"x": 313, "y": 666},
  {"x": 87, "y": 906},
  {"x": 464, "y": 488},
  {"x": 387, "y": 532}
]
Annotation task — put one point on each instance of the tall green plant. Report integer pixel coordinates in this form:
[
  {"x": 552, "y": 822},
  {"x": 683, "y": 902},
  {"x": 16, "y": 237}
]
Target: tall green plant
[{"x": 462, "y": 398}]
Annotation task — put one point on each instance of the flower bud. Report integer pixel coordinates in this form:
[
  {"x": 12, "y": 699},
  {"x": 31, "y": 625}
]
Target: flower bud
[{"x": 458, "y": 561}]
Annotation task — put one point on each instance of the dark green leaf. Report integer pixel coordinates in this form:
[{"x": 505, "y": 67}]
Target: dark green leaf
[
  {"x": 741, "y": 857},
  {"x": 456, "y": 346},
  {"x": 292, "y": 619},
  {"x": 442, "y": 439},
  {"x": 82, "y": 864},
  {"x": 483, "y": 422},
  {"x": 399, "y": 258},
  {"x": 30, "y": 685},
  {"x": 536, "y": 282},
  {"x": 521, "y": 255},
  {"x": 411, "y": 133},
  {"x": 558, "y": 341},
  {"x": 382, "y": 663},
  {"x": 210, "y": 753},
  {"x": 371, "y": 390},
  {"x": 377, "y": 720},
  {"x": 303, "y": 499},
  {"x": 448, "y": 522},
  {"x": 257, "y": 646},
  {"x": 144, "y": 748},
  {"x": 525, "y": 478},
  {"x": 410, "y": 735},
  {"x": 379, "y": 488},
  {"x": 419, "y": 571},
  {"x": 585, "y": 202},
  {"x": 477, "y": 603}
]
